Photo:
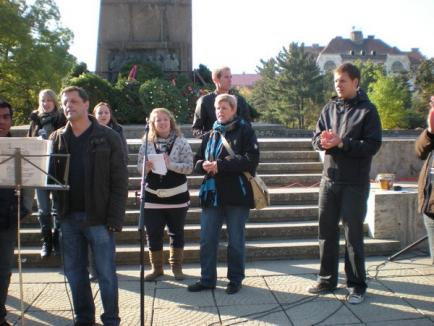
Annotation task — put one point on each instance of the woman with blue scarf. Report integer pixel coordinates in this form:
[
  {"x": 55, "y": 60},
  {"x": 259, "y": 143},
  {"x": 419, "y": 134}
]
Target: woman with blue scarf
[{"x": 225, "y": 193}]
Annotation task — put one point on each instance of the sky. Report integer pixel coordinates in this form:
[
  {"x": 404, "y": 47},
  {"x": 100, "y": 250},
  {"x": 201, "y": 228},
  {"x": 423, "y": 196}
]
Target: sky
[{"x": 239, "y": 33}]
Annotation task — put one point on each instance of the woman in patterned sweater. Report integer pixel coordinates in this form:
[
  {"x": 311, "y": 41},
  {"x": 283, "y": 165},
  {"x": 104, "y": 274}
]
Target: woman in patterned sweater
[{"x": 166, "y": 196}]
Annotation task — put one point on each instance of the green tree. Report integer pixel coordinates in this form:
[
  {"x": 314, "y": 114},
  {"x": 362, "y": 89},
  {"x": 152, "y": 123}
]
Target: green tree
[
  {"x": 391, "y": 95},
  {"x": 369, "y": 72},
  {"x": 263, "y": 93},
  {"x": 299, "y": 84},
  {"x": 425, "y": 79},
  {"x": 33, "y": 52}
]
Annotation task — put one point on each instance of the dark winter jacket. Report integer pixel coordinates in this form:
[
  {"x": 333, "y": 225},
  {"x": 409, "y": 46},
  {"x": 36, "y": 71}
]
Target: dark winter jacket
[
  {"x": 106, "y": 175},
  {"x": 231, "y": 184},
  {"x": 204, "y": 114},
  {"x": 55, "y": 119},
  {"x": 358, "y": 124},
  {"x": 424, "y": 147}
]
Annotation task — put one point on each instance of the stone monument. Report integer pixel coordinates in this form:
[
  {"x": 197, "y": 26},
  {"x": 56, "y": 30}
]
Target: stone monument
[{"x": 155, "y": 31}]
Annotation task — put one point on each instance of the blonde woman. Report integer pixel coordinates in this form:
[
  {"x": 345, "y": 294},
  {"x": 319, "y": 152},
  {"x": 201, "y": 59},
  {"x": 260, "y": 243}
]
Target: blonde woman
[
  {"x": 168, "y": 207},
  {"x": 44, "y": 121},
  {"x": 225, "y": 194}
]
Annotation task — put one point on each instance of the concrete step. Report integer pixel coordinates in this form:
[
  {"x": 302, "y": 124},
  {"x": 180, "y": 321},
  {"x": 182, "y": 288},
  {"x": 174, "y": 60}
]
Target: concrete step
[
  {"x": 271, "y": 180},
  {"x": 277, "y": 213},
  {"x": 261, "y": 129},
  {"x": 266, "y": 156},
  {"x": 267, "y": 168},
  {"x": 255, "y": 250},
  {"x": 254, "y": 231},
  {"x": 278, "y": 196},
  {"x": 265, "y": 144}
]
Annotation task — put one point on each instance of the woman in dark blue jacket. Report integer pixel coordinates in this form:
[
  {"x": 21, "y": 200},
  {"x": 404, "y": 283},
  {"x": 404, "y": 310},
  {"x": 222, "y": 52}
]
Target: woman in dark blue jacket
[{"x": 225, "y": 193}]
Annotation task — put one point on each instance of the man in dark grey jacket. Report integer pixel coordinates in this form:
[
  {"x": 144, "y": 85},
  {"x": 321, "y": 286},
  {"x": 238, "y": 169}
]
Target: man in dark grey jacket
[
  {"x": 349, "y": 131},
  {"x": 94, "y": 207}
]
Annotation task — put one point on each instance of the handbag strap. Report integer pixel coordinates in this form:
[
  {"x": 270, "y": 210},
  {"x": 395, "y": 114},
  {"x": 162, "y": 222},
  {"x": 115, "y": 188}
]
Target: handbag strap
[
  {"x": 232, "y": 153},
  {"x": 227, "y": 145}
]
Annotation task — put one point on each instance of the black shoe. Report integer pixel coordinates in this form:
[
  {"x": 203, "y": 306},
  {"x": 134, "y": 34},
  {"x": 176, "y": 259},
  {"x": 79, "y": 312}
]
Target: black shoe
[
  {"x": 46, "y": 249},
  {"x": 321, "y": 288},
  {"x": 5, "y": 323},
  {"x": 233, "y": 288},
  {"x": 198, "y": 286}
]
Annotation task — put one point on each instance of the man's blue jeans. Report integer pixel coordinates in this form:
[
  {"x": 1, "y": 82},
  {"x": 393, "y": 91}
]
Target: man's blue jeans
[
  {"x": 211, "y": 222},
  {"x": 76, "y": 237}
]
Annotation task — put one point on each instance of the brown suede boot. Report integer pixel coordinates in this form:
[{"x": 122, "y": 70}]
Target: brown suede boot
[
  {"x": 175, "y": 260},
  {"x": 156, "y": 258}
]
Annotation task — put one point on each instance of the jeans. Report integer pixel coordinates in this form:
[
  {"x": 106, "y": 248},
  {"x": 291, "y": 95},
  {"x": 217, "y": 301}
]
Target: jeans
[
  {"x": 46, "y": 208},
  {"x": 429, "y": 225},
  {"x": 157, "y": 219},
  {"x": 349, "y": 203},
  {"x": 211, "y": 222},
  {"x": 7, "y": 244},
  {"x": 76, "y": 237}
]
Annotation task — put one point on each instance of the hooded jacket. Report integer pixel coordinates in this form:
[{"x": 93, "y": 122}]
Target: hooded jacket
[{"x": 358, "y": 124}]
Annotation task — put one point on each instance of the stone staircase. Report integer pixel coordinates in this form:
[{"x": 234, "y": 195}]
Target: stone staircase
[{"x": 287, "y": 229}]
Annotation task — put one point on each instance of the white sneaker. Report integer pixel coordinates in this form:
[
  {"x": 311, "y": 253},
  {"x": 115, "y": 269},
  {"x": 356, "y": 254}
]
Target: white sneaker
[{"x": 355, "y": 298}]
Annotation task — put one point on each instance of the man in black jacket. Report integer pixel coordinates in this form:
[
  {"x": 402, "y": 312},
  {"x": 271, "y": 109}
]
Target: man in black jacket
[
  {"x": 94, "y": 207},
  {"x": 204, "y": 114},
  {"x": 8, "y": 220},
  {"x": 349, "y": 131}
]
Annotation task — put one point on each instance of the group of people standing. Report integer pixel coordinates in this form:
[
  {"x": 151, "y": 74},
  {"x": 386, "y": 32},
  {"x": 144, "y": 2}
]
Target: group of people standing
[{"x": 92, "y": 211}]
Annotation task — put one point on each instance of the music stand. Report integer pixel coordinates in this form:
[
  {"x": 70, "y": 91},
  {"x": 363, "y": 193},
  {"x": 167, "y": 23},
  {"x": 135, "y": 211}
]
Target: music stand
[
  {"x": 18, "y": 159},
  {"x": 141, "y": 228}
]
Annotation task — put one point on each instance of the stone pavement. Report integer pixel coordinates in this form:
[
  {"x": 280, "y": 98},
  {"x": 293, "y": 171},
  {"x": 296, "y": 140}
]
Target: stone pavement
[{"x": 273, "y": 293}]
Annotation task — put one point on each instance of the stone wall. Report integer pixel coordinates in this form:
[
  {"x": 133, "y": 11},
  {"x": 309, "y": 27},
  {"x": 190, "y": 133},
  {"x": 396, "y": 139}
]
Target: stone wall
[{"x": 397, "y": 156}]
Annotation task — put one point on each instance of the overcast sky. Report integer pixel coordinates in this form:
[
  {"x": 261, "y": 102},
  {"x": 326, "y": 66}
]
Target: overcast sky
[{"x": 239, "y": 33}]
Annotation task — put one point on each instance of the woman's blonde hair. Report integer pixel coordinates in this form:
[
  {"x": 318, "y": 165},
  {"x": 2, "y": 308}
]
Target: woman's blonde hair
[
  {"x": 173, "y": 126},
  {"x": 52, "y": 95}
]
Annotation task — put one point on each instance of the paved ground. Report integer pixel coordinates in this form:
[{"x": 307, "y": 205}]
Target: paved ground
[{"x": 274, "y": 293}]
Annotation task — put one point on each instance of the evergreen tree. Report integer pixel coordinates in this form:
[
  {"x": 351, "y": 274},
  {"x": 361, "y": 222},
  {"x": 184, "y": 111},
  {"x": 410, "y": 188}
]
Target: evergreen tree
[{"x": 299, "y": 84}]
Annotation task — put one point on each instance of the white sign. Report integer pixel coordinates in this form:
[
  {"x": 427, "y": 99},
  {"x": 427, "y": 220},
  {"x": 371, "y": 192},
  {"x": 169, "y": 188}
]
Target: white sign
[{"x": 30, "y": 175}]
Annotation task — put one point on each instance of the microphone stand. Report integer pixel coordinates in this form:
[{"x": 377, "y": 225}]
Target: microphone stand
[{"x": 142, "y": 231}]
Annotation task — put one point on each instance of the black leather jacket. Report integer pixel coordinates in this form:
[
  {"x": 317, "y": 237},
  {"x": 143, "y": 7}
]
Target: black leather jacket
[{"x": 106, "y": 181}]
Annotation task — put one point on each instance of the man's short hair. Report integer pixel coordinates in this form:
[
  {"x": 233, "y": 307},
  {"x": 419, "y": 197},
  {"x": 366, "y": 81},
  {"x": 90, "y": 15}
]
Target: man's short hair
[
  {"x": 4, "y": 104},
  {"x": 81, "y": 92},
  {"x": 217, "y": 73},
  {"x": 352, "y": 71}
]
